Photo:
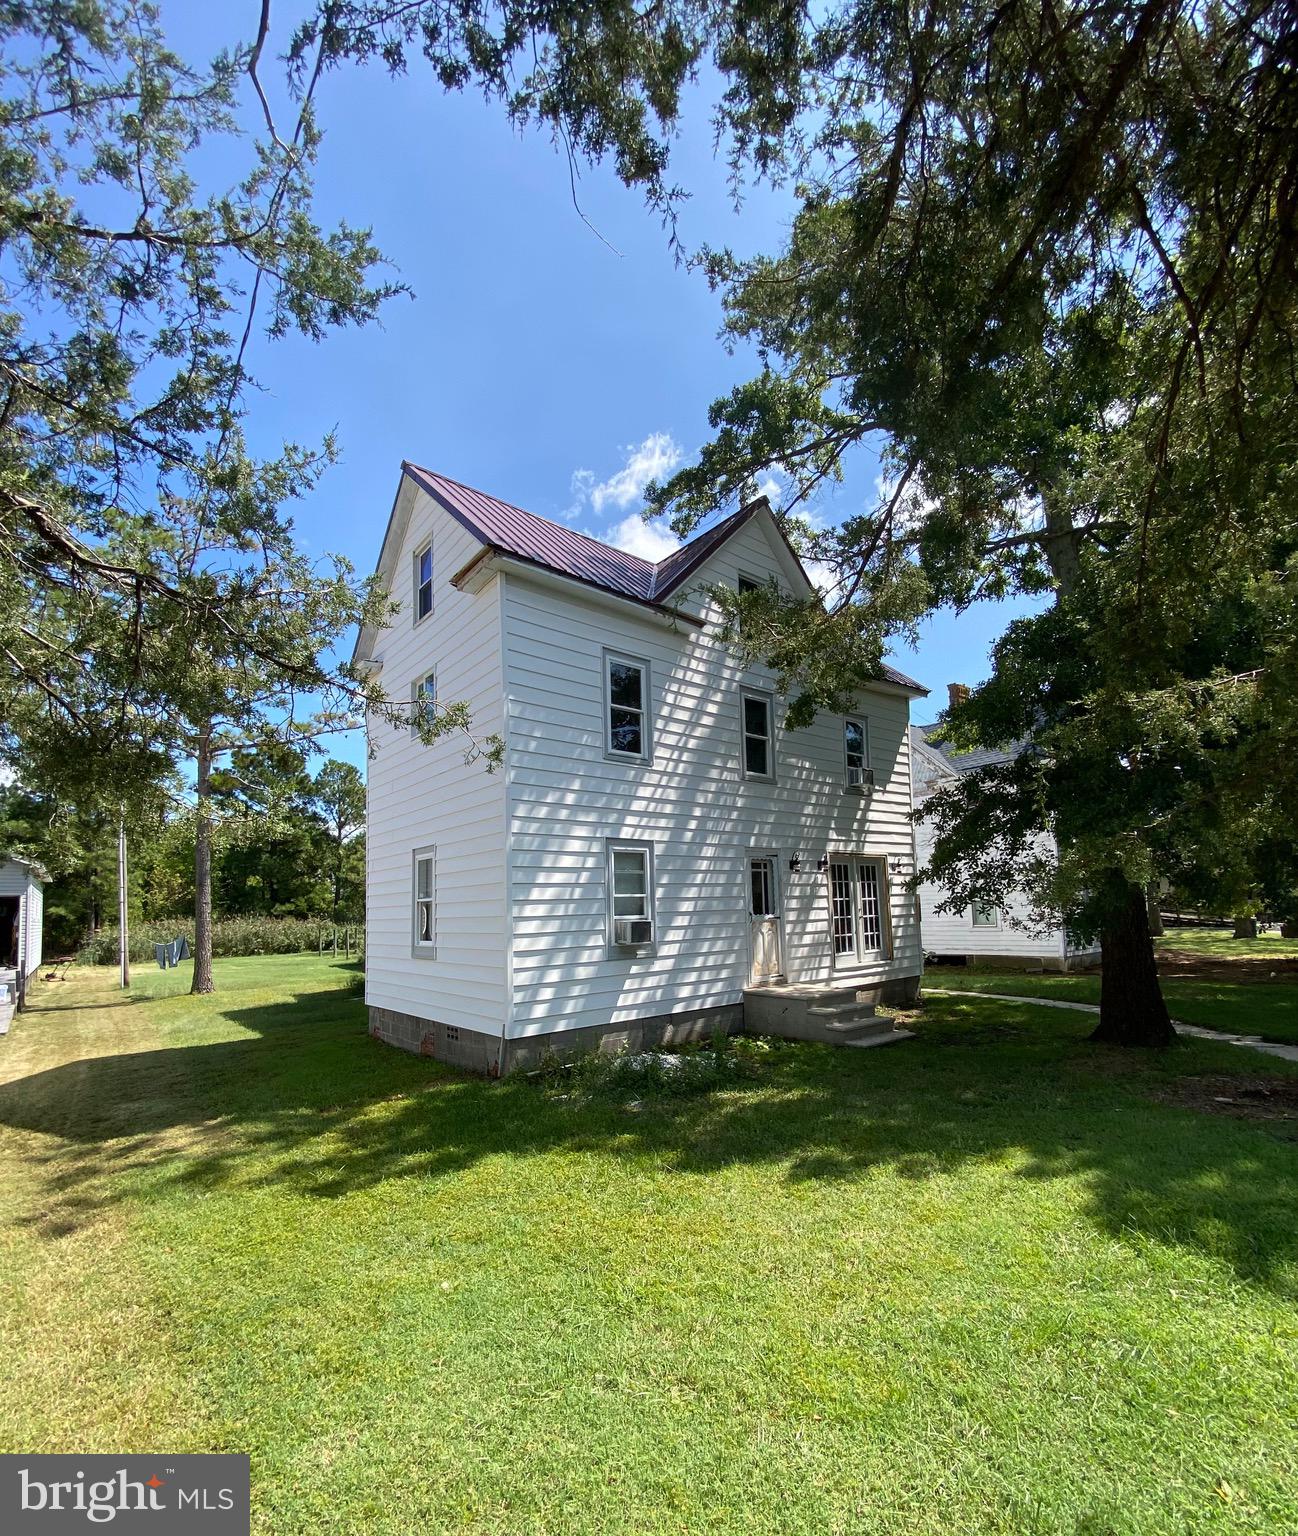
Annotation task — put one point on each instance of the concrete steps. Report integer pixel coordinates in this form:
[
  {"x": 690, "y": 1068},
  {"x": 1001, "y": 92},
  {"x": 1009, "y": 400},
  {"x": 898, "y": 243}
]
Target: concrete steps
[{"x": 827, "y": 1015}]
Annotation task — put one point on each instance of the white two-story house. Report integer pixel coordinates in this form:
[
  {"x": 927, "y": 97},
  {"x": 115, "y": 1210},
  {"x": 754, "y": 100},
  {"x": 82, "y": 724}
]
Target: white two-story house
[{"x": 656, "y": 847}]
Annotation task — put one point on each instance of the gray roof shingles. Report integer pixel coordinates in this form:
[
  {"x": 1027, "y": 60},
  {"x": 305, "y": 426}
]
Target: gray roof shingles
[{"x": 966, "y": 762}]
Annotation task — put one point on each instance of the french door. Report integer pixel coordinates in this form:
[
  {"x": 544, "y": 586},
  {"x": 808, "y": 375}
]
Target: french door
[{"x": 858, "y": 919}]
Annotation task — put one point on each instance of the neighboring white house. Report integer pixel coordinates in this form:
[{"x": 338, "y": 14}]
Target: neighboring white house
[
  {"x": 656, "y": 842},
  {"x": 22, "y": 902},
  {"x": 982, "y": 933}
]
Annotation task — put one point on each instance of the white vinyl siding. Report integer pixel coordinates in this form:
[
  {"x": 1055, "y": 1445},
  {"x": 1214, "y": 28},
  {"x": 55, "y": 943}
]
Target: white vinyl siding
[
  {"x": 957, "y": 933},
  {"x": 17, "y": 880},
  {"x": 693, "y": 803},
  {"x": 423, "y": 796}
]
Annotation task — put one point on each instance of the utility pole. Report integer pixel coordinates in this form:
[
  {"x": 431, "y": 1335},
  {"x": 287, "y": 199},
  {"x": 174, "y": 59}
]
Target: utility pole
[{"x": 123, "y": 938}]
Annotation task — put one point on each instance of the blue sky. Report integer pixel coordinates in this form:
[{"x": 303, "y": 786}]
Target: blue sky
[{"x": 532, "y": 360}]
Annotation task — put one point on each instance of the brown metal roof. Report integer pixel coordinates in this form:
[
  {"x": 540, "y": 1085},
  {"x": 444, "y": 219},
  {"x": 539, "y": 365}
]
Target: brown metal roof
[{"x": 539, "y": 541}]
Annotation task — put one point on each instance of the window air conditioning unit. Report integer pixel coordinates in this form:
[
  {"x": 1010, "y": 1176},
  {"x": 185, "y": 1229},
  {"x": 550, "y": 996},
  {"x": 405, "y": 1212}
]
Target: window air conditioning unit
[
  {"x": 632, "y": 930},
  {"x": 860, "y": 778}
]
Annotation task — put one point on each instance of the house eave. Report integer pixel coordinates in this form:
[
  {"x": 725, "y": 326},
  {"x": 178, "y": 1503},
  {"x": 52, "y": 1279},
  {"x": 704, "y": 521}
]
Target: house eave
[{"x": 477, "y": 573}]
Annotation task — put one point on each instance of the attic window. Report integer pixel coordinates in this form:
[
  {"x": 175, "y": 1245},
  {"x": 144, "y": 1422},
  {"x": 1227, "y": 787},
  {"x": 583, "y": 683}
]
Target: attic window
[
  {"x": 423, "y": 583},
  {"x": 745, "y": 585}
]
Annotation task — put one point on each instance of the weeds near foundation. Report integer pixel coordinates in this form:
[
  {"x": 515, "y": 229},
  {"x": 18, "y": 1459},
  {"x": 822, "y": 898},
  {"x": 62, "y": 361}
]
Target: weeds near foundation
[{"x": 678, "y": 1073}]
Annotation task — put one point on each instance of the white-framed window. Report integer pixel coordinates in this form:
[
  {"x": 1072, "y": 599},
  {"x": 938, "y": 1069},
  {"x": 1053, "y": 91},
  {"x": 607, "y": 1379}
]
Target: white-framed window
[
  {"x": 985, "y": 915},
  {"x": 757, "y": 715},
  {"x": 628, "y": 725},
  {"x": 744, "y": 584},
  {"x": 632, "y": 928},
  {"x": 423, "y": 578},
  {"x": 423, "y": 699},
  {"x": 856, "y": 752},
  {"x": 423, "y": 936}
]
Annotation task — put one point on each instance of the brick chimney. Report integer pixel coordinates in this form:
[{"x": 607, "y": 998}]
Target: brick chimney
[{"x": 956, "y": 693}]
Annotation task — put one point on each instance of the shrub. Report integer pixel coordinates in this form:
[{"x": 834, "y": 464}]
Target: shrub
[{"x": 230, "y": 936}]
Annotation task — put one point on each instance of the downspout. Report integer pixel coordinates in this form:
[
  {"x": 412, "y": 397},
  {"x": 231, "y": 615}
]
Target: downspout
[{"x": 507, "y": 1013}]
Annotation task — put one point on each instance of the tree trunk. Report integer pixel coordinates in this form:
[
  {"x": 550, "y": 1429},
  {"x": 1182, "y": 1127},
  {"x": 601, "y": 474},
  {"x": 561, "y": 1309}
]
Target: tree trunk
[
  {"x": 1289, "y": 928},
  {"x": 1246, "y": 927},
  {"x": 1153, "y": 906},
  {"x": 1132, "y": 1010},
  {"x": 203, "y": 866}
]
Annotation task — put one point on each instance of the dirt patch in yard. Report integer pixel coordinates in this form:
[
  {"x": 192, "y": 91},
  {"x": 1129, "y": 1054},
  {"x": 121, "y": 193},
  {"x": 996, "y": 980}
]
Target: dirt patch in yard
[
  {"x": 1244, "y": 1098},
  {"x": 1214, "y": 968}
]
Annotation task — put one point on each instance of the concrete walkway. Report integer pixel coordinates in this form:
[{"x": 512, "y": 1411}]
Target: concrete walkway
[{"x": 1250, "y": 1042}]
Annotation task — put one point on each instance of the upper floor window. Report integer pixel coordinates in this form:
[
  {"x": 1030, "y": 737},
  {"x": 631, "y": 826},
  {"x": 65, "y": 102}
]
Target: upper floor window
[
  {"x": 423, "y": 583},
  {"x": 627, "y": 726},
  {"x": 985, "y": 915},
  {"x": 758, "y": 735},
  {"x": 424, "y": 936},
  {"x": 856, "y": 751},
  {"x": 423, "y": 699}
]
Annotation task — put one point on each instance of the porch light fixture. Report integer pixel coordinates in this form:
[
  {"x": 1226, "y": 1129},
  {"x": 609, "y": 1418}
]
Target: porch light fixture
[
  {"x": 795, "y": 864},
  {"x": 823, "y": 865}
]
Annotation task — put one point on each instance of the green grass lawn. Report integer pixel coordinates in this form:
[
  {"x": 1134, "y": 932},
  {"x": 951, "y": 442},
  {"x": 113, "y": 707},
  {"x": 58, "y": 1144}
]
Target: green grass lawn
[
  {"x": 1221, "y": 944},
  {"x": 994, "y": 1280},
  {"x": 1265, "y": 1007}
]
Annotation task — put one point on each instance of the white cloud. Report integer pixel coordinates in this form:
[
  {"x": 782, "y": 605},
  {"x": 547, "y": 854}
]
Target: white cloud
[
  {"x": 657, "y": 456},
  {"x": 651, "y": 541},
  {"x": 653, "y": 459},
  {"x": 824, "y": 578},
  {"x": 771, "y": 489}
]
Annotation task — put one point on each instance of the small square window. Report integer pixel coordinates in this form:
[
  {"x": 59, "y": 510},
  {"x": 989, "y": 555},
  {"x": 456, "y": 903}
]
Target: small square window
[
  {"x": 985, "y": 915},
  {"x": 423, "y": 583}
]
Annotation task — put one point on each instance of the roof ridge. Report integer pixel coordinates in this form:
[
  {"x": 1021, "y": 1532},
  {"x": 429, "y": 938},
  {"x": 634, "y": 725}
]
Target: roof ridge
[
  {"x": 650, "y": 565},
  {"x": 577, "y": 533}
]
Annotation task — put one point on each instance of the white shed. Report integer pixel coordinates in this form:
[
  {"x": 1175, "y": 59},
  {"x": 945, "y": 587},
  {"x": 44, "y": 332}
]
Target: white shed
[{"x": 22, "y": 903}]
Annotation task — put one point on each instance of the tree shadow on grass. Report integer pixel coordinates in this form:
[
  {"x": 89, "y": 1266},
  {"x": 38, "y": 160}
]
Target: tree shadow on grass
[{"x": 308, "y": 1102}]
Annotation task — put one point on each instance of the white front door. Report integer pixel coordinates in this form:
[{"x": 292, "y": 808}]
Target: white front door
[
  {"x": 766, "y": 961},
  {"x": 857, "y": 916}
]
